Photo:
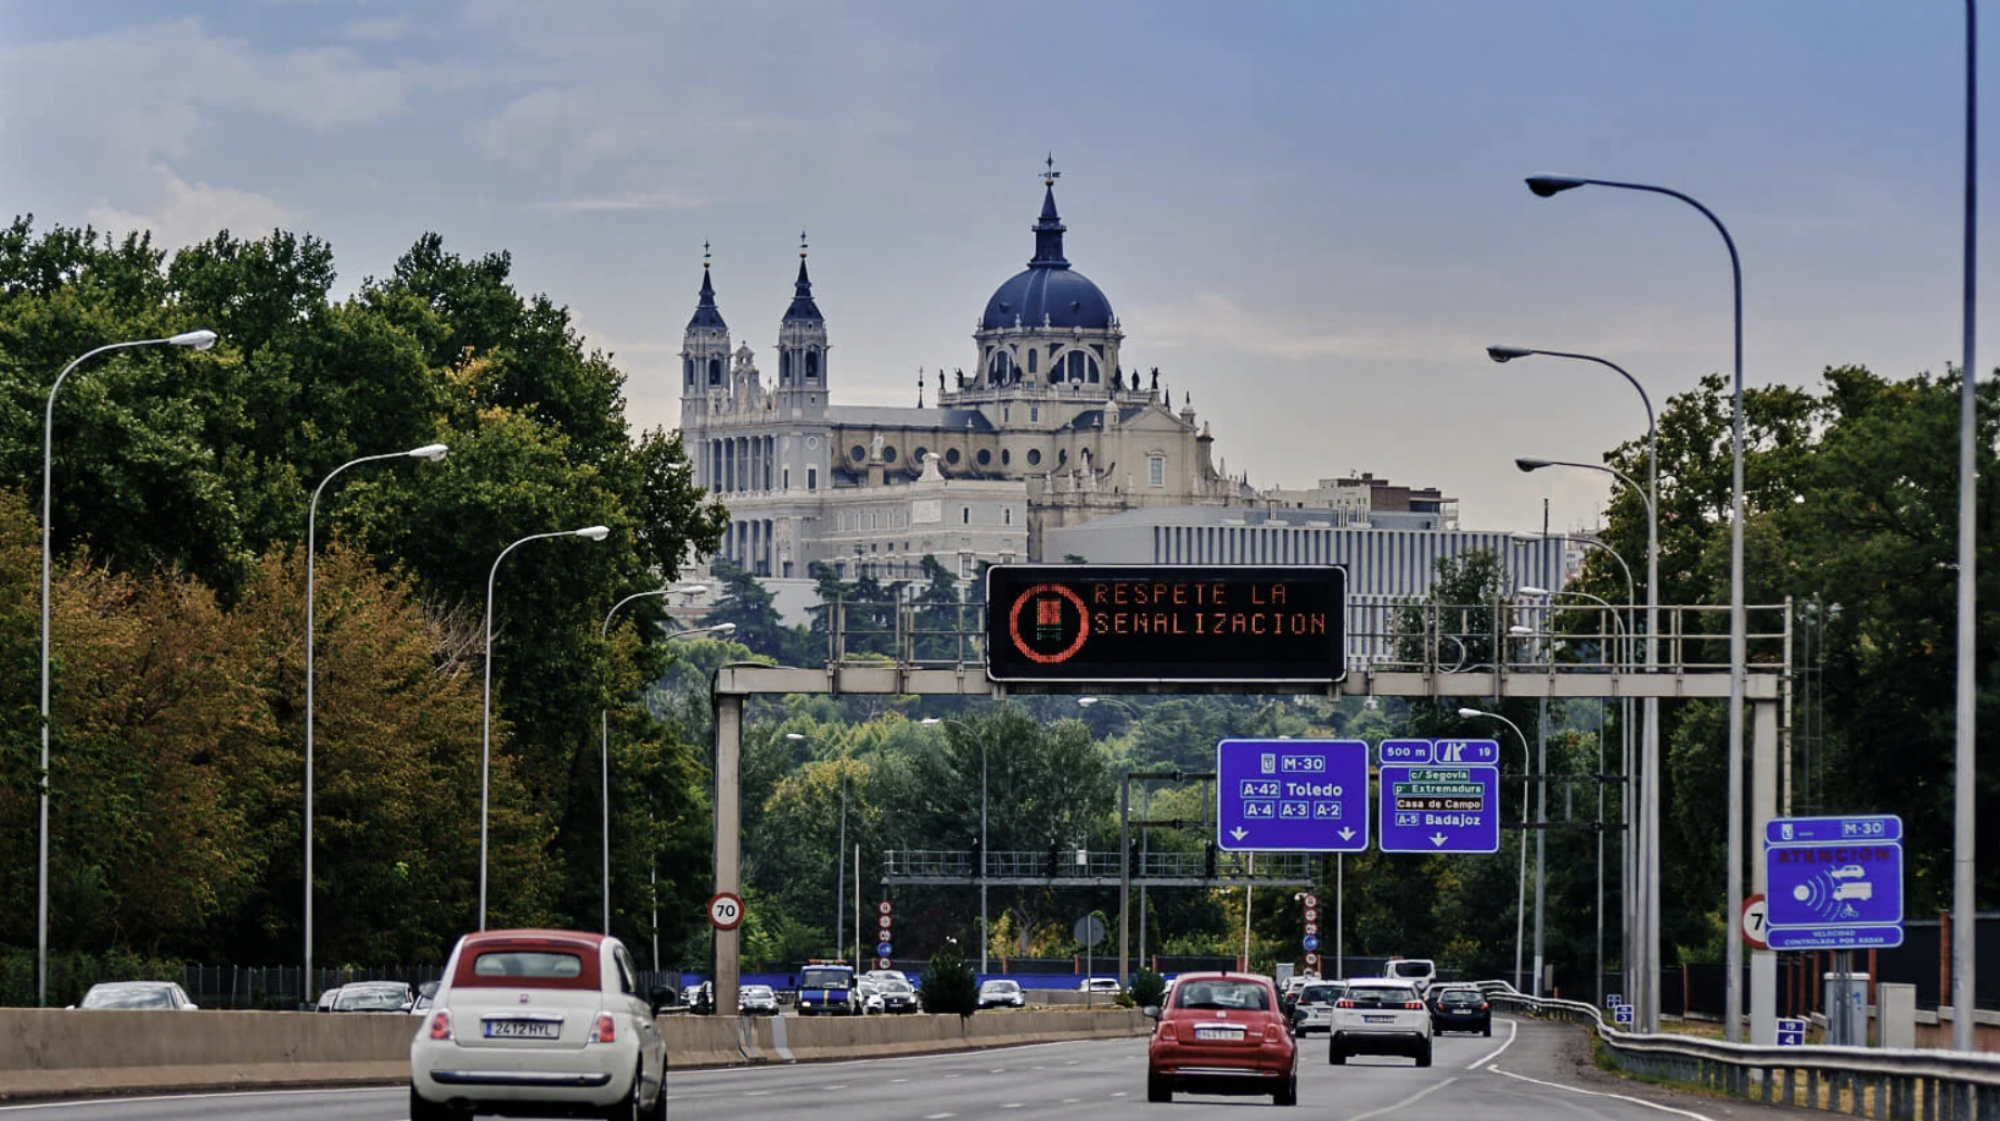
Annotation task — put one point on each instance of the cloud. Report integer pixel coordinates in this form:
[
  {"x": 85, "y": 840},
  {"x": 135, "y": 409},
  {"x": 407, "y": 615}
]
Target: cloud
[
  {"x": 378, "y": 29},
  {"x": 189, "y": 212},
  {"x": 636, "y": 200},
  {"x": 1214, "y": 322}
]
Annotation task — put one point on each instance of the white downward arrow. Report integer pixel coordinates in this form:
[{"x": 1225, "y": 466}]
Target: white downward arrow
[
  {"x": 1347, "y": 834},
  {"x": 1439, "y": 839},
  {"x": 1238, "y": 833}
]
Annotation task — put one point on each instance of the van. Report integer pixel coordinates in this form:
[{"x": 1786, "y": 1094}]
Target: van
[{"x": 1417, "y": 971}]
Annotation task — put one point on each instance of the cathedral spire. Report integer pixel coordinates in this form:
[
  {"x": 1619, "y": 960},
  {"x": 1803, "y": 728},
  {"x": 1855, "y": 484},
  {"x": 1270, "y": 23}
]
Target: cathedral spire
[
  {"x": 802, "y": 307},
  {"x": 706, "y": 314},
  {"x": 1049, "y": 230}
]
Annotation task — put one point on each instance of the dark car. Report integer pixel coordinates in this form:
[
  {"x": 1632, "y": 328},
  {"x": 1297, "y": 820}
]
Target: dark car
[
  {"x": 1313, "y": 1009},
  {"x": 1461, "y": 1010}
]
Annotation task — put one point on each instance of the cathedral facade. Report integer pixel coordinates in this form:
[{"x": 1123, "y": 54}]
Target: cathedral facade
[{"x": 1048, "y": 431}]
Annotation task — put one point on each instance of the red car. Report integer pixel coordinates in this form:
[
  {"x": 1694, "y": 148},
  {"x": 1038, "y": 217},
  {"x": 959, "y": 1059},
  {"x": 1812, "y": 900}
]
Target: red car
[{"x": 1222, "y": 1033}]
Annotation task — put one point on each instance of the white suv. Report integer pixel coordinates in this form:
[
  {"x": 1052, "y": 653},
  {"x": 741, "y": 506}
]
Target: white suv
[
  {"x": 1380, "y": 1016},
  {"x": 539, "y": 1018}
]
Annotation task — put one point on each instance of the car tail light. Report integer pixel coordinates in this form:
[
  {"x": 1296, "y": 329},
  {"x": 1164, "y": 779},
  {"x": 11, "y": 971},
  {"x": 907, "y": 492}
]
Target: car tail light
[
  {"x": 1414, "y": 1005},
  {"x": 1482, "y": 1006},
  {"x": 1343, "y": 1003},
  {"x": 1273, "y": 1033},
  {"x": 606, "y": 1030},
  {"x": 1167, "y": 1032},
  {"x": 441, "y": 1025}
]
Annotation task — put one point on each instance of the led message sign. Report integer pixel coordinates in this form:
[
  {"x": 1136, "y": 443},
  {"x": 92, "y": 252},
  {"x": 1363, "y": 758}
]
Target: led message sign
[{"x": 1148, "y": 623}]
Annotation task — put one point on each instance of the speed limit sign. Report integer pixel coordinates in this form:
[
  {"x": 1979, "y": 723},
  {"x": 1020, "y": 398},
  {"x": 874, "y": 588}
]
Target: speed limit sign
[
  {"x": 883, "y": 906},
  {"x": 725, "y": 910}
]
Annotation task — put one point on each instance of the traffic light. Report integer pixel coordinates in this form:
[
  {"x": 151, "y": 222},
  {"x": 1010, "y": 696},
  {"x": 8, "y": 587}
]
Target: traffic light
[
  {"x": 1208, "y": 861},
  {"x": 1055, "y": 853},
  {"x": 978, "y": 859}
]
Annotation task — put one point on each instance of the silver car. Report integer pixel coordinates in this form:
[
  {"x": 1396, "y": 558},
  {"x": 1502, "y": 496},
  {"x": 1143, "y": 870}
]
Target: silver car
[{"x": 162, "y": 996}]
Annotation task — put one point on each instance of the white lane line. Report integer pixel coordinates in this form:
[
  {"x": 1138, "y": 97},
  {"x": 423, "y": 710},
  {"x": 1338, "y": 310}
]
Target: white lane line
[
  {"x": 1121, "y": 1094},
  {"x": 1011, "y": 1105},
  {"x": 1413, "y": 1099},
  {"x": 1513, "y": 1029},
  {"x": 757, "y": 1093},
  {"x": 90, "y": 1102},
  {"x": 1071, "y": 1101},
  {"x": 897, "y": 1081},
  {"x": 1688, "y": 1113},
  {"x": 938, "y": 1116}
]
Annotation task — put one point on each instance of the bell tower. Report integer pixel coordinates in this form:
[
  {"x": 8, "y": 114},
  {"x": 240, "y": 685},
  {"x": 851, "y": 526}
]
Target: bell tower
[
  {"x": 704, "y": 355},
  {"x": 802, "y": 350}
]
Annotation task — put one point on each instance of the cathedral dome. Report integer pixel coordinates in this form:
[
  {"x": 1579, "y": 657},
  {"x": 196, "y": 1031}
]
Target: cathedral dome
[
  {"x": 1048, "y": 292},
  {"x": 1060, "y": 297}
]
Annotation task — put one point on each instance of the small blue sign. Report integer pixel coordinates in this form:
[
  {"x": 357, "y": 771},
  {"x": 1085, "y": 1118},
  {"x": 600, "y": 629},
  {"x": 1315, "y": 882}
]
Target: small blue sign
[
  {"x": 1446, "y": 808},
  {"x": 1405, "y": 751},
  {"x": 1312, "y": 943},
  {"x": 1291, "y": 795},
  {"x": 1613, "y": 1000},
  {"x": 1834, "y": 883},
  {"x": 1791, "y": 1032},
  {"x": 882, "y": 949},
  {"x": 1622, "y": 1014}
]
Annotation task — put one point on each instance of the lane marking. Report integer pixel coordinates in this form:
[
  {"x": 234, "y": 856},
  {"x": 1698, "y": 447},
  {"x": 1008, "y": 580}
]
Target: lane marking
[
  {"x": 1011, "y": 1105},
  {"x": 705, "y": 1072},
  {"x": 1125, "y": 1093},
  {"x": 1406, "y": 1102},
  {"x": 938, "y": 1116},
  {"x": 1513, "y": 1029},
  {"x": 83, "y": 1103},
  {"x": 1688, "y": 1113},
  {"x": 758, "y": 1093},
  {"x": 897, "y": 1081}
]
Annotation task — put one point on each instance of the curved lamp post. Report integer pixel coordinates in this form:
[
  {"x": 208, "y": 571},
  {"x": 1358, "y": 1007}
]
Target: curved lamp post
[
  {"x": 433, "y": 453},
  {"x": 604, "y": 742},
  {"x": 588, "y": 533},
  {"x": 1521, "y": 895},
  {"x": 1547, "y": 186},
  {"x": 193, "y": 340}
]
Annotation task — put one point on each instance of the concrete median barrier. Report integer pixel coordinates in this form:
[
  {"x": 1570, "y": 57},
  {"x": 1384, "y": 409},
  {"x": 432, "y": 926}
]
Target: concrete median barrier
[{"x": 50, "y": 1053}]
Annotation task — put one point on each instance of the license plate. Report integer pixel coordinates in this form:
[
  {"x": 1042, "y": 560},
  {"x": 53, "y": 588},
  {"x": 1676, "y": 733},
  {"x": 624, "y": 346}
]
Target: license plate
[
  {"x": 1378, "y": 1019},
  {"x": 523, "y": 1029},
  {"x": 1203, "y": 1032}
]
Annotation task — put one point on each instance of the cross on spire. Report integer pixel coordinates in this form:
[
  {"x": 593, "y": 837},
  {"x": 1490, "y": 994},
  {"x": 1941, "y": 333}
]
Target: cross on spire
[
  {"x": 802, "y": 243},
  {"x": 704, "y": 254},
  {"x": 1050, "y": 174}
]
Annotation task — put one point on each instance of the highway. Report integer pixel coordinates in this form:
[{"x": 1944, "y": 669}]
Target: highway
[{"x": 1526, "y": 1072}]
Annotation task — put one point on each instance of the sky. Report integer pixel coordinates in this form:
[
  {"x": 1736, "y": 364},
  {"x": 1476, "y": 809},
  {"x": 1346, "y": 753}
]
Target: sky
[{"x": 1309, "y": 216}]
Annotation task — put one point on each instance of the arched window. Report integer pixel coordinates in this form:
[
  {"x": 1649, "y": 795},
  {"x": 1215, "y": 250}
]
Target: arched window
[
  {"x": 784, "y": 367},
  {"x": 1000, "y": 370},
  {"x": 1032, "y": 356},
  {"x": 715, "y": 371},
  {"x": 687, "y": 365},
  {"x": 812, "y": 365}
]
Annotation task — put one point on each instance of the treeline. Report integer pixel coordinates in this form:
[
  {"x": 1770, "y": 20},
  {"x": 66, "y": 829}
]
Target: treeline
[{"x": 181, "y": 482}]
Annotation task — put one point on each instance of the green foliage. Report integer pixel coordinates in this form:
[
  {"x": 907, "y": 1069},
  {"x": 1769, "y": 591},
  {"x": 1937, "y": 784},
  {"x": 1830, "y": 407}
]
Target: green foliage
[
  {"x": 949, "y": 985},
  {"x": 1148, "y": 989}
]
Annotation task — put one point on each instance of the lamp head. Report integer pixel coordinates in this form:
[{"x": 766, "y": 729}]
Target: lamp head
[
  {"x": 197, "y": 340},
  {"x": 1507, "y": 353},
  {"x": 1469, "y": 713},
  {"x": 794, "y": 737},
  {"x": 1548, "y": 185},
  {"x": 1525, "y": 538},
  {"x": 1519, "y": 631},
  {"x": 1531, "y": 590},
  {"x": 724, "y": 628},
  {"x": 1526, "y": 464},
  {"x": 690, "y": 589},
  {"x": 594, "y": 532},
  {"x": 930, "y": 721},
  {"x": 432, "y": 452},
  {"x": 1086, "y": 701}
]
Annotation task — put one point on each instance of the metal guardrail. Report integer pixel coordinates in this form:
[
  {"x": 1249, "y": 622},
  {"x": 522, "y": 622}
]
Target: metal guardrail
[
  {"x": 1898, "y": 1085},
  {"x": 1100, "y": 865}
]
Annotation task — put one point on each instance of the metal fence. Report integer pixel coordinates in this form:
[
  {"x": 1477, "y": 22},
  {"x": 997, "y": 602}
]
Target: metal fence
[{"x": 1864, "y": 1082}]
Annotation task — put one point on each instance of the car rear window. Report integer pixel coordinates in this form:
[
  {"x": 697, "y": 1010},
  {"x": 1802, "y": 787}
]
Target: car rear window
[
  {"x": 1319, "y": 994},
  {"x": 1246, "y": 995},
  {"x": 1378, "y": 995},
  {"x": 1411, "y": 969},
  {"x": 514, "y": 965},
  {"x": 1460, "y": 996}
]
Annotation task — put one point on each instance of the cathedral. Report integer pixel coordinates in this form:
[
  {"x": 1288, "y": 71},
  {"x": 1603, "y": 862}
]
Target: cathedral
[{"x": 1048, "y": 431}]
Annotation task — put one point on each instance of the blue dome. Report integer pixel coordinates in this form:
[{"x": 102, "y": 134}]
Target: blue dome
[{"x": 1067, "y": 297}]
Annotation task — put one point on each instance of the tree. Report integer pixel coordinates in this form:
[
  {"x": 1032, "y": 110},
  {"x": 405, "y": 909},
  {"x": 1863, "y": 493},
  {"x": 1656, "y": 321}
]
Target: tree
[
  {"x": 949, "y": 985},
  {"x": 748, "y": 604}
]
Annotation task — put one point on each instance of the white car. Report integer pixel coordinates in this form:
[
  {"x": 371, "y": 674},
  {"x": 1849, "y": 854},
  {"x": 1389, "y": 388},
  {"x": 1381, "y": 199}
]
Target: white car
[
  {"x": 1848, "y": 872},
  {"x": 1418, "y": 972},
  {"x": 1380, "y": 1016},
  {"x": 1313, "y": 1010},
  {"x": 1001, "y": 994},
  {"x": 1098, "y": 985},
  {"x": 162, "y": 996},
  {"x": 757, "y": 1000},
  {"x": 538, "y": 1018}
]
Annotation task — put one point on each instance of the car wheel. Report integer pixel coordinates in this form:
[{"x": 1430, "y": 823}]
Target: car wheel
[
  {"x": 658, "y": 1110},
  {"x": 1287, "y": 1094},
  {"x": 1424, "y": 1054},
  {"x": 423, "y": 1109},
  {"x": 1336, "y": 1055},
  {"x": 1158, "y": 1089},
  {"x": 1487, "y": 1030}
]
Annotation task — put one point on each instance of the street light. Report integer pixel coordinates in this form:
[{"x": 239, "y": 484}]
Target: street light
[
  {"x": 193, "y": 340},
  {"x": 1649, "y": 1007},
  {"x": 590, "y": 533},
  {"x": 1521, "y": 892},
  {"x": 1964, "y": 774},
  {"x": 433, "y": 453},
  {"x": 604, "y": 739},
  {"x": 985, "y": 932}
]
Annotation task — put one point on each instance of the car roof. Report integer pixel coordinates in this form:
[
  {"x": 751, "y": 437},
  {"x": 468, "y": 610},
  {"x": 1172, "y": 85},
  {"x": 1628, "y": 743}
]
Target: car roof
[
  {"x": 115, "y": 986},
  {"x": 579, "y": 938},
  {"x": 1379, "y": 983}
]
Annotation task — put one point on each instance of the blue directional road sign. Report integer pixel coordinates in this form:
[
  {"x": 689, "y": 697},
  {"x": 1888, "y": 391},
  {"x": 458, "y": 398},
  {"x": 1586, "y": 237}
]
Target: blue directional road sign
[
  {"x": 882, "y": 949},
  {"x": 1791, "y": 1032},
  {"x": 1291, "y": 795},
  {"x": 1440, "y": 796},
  {"x": 1622, "y": 1014},
  {"x": 1834, "y": 883},
  {"x": 1312, "y": 942}
]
